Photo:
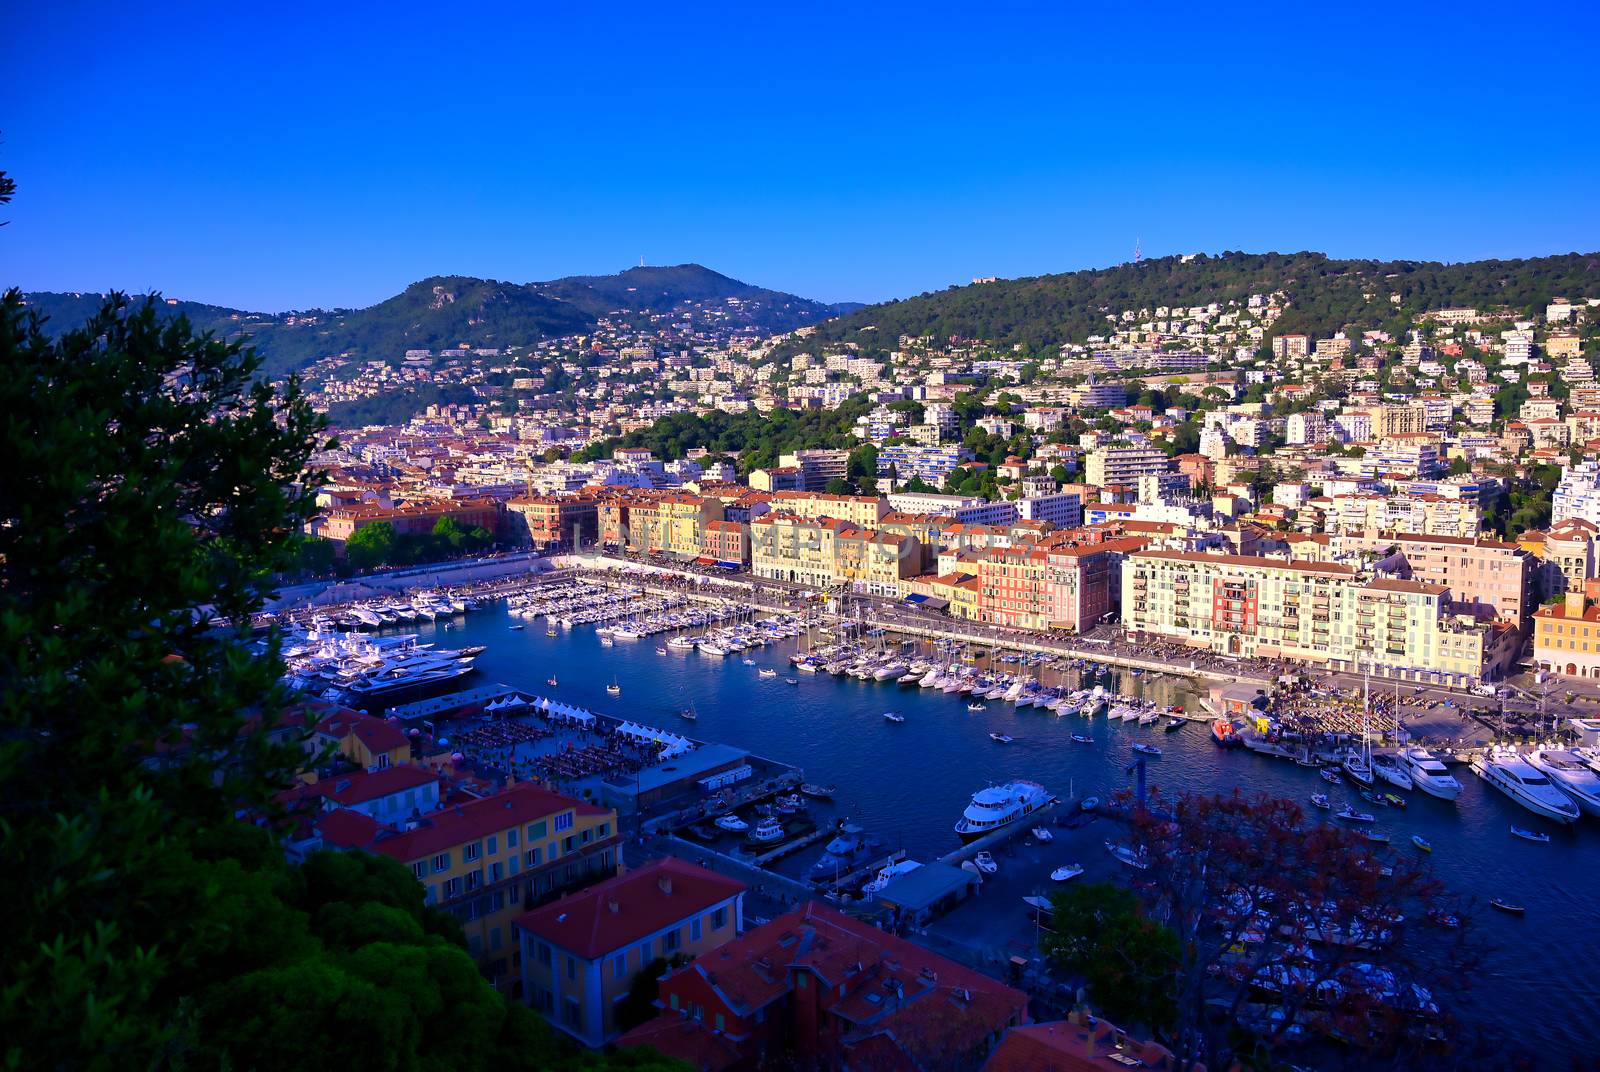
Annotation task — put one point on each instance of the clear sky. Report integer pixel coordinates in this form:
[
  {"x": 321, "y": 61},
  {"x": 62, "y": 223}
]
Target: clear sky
[{"x": 276, "y": 156}]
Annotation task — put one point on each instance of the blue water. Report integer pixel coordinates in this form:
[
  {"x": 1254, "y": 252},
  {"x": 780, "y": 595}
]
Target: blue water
[{"x": 909, "y": 783}]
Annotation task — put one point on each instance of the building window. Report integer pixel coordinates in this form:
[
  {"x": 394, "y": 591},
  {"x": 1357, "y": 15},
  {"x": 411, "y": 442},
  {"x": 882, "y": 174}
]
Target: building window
[
  {"x": 672, "y": 1001},
  {"x": 471, "y": 852},
  {"x": 532, "y": 857},
  {"x": 719, "y": 919},
  {"x": 441, "y": 862},
  {"x": 572, "y": 1013},
  {"x": 564, "y": 821},
  {"x": 619, "y": 966},
  {"x": 722, "y": 1024},
  {"x": 493, "y": 842},
  {"x": 568, "y": 844},
  {"x": 511, "y": 838},
  {"x": 496, "y": 870},
  {"x": 644, "y": 954},
  {"x": 452, "y": 888},
  {"x": 419, "y": 870},
  {"x": 694, "y": 929},
  {"x": 544, "y": 953},
  {"x": 603, "y": 830},
  {"x": 537, "y": 830},
  {"x": 586, "y": 836},
  {"x": 669, "y": 941}
]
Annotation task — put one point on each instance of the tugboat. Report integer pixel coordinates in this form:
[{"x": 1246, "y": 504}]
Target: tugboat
[{"x": 1225, "y": 733}]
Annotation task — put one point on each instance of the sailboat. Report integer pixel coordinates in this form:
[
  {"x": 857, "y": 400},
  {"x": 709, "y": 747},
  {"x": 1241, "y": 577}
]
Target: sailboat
[
  {"x": 615, "y": 688},
  {"x": 689, "y": 713},
  {"x": 1358, "y": 764}
]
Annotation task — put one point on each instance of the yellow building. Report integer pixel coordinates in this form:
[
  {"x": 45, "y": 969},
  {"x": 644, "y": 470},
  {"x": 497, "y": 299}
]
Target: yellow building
[
  {"x": 580, "y": 955},
  {"x": 864, "y": 510},
  {"x": 489, "y": 860},
  {"x": 1566, "y": 637}
]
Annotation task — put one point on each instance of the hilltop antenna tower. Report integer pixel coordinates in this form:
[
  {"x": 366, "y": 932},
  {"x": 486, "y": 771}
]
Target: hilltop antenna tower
[{"x": 1138, "y": 254}]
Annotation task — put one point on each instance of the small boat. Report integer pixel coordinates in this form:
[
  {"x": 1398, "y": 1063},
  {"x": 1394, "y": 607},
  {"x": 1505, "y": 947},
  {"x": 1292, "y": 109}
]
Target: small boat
[
  {"x": 1321, "y": 800},
  {"x": 1175, "y": 724},
  {"x": 1066, "y": 873},
  {"x": 749, "y": 662},
  {"x": 1082, "y": 738},
  {"x": 766, "y": 832},
  {"x": 1530, "y": 835},
  {"x": 689, "y": 713},
  {"x": 791, "y": 681},
  {"x": 605, "y": 641},
  {"x": 1349, "y": 813},
  {"x": 552, "y": 632},
  {"x": 614, "y": 688},
  {"x": 890, "y": 716},
  {"x": 552, "y": 682},
  {"x": 1377, "y": 838},
  {"x": 1421, "y": 842},
  {"x": 1507, "y": 906},
  {"x": 821, "y": 792},
  {"x": 731, "y": 823},
  {"x": 1043, "y": 833},
  {"x": 986, "y": 863},
  {"x": 1394, "y": 800},
  {"x": 1147, "y": 749},
  {"x": 1331, "y": 776},
  {"x": 1001, "y": 738},
  {"x": 1128, "y": 856},
  {"x": 974, "y": 707},
  {"x": 766, "y": 671},
  {"x": 517, "y": 628},
  {"x": 1443, "y": 918},
  {"x": 661, "y": 649},
  {"x": 1089, "y": 804}
]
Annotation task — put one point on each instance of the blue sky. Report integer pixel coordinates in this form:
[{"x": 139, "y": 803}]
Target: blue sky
[{"x": 289, "y": 156}]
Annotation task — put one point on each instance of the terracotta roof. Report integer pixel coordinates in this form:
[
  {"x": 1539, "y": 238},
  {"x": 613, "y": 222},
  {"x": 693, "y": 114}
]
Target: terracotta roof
[
  {"x": 1390, "y": 584},
  {"x": 629, "y": 907},
  {"x": 1299, "y": 566},
  {"x": 452, "y": 826},
  {"x": 1067, "y": 1047},
  {"x": 363, "y": 787},
  {"x": 685, "y": 1040}
]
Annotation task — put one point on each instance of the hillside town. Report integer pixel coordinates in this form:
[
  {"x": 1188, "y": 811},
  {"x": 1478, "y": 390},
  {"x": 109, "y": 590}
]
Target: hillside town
[{"x": 1423, "y": 507}]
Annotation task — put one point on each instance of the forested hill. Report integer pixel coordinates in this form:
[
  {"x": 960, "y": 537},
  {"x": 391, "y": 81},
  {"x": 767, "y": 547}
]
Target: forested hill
[
  {"x": 451, "y": 311},
  {"x": 1325, "y": 295}
]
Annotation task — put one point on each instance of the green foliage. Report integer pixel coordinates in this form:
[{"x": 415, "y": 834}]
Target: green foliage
[
  {"x": 398, "y": 407},
  {"x": 1100, "y": 931},
  {"x": 149, "y": 926},
  {"x": 839, "y": 486},
  {"x": 371, "y": 545},
  {"x": 756, "y": 439},
  {"x": 1043, "y": 312}
]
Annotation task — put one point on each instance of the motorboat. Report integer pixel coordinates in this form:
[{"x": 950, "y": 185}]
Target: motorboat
[
  {"x": 732, "y": 824},
  {"x": 552, "y": 682},
  {"x": 1530, "y": 835},
  {"x": 1001, "y": 738},
  {"x": 975, "y": 707},
  {"x": 1146, "y": 749},
  {"x": 986, "y": 863},
  {"x": 1570, "y": 775},
  {"x": 791, "y": 681},
  {"x": 519, "y": 627},
  {"x": 888, "y": 874},
  {"x": 1331, "y": 776},
  {"x": 1066, "y": 873},
  {"x": 614, "y": 688},
  {"x": 766, "y": 832},
  {"x": 1128, "y": 856},
  {"x": 1421, "y": 842},
  {"x": 1429, "y": 774},
  {"x": 1443, "y": 919},
  {"x": 845, "y": 850},
  {"x": 766, "y": 671},
  {"x": 821, "y": 792},
  {"x": 1321, "y": 800},
  {"x": 1376, "y": 838},
  {"x": 1506, "y": 770},
  {"x": 1042, "y": 833},
  {"x": 1175, "y": 724},
  {"x": 1081, "y": 738},
  {"x": 1349, "y": 814},
  {"x": 890, "y": 716},
  {"x": 997, "y": 806},
  {"x": 1507, "y": 906},
  {"x": 1388, "y": 769},
  {"x": 1225, "y": 733},
  {"x": 661, "y": 649},
  {"x": 1089, "y": 804}
]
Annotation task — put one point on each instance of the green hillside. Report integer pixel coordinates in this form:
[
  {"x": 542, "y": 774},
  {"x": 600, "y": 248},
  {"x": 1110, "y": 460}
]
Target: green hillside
[{"x": 1326, "y": 294}]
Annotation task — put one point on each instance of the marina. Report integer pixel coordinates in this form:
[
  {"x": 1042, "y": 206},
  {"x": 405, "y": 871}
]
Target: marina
[{"x": 904, "y": 785}]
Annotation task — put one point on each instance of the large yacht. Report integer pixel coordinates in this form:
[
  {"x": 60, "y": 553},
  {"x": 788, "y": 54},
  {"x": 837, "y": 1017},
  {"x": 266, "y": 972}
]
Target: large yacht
[
  {"x": 1570, "y": 775},
  {"x": 1507, "y": 771},
  {"x": 997, "y": 806},
  {"x": 1428, "y": 774}
]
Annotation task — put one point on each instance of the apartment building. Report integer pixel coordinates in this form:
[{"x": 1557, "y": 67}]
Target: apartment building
[
  {"x": 1578, "y": 493},
  {"x": 581, "y": 954},
  {"x": 1313, "y": 612},
  {"x": 408, "y": 519},
  {"x": 1124, "y": 464},
  {"x": 817, "y": 467},
  {"x": 816, "y": 988},
  {"x": 1291, "y": 346},
  {"x": 725, "y": 543},
  {"x": 657, "y": 522},
  {"x": 833, "y": 551},
  {"x": 856, "y": 509},
  {"x": 1480, "y": 571},
  {"x": 1092, "y": 395},
  {"x": 1567, "y": 555},
  {"x": 553, "y": 520},
  {"x": 1425, "y": 514},
  {"x": 1566, "y": 637},
  {"x": 488, "y": 860}
]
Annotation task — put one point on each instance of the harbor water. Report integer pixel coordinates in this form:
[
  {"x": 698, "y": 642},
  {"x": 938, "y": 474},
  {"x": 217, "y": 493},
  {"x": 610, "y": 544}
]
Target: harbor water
[{"x": 908, "y": 782}]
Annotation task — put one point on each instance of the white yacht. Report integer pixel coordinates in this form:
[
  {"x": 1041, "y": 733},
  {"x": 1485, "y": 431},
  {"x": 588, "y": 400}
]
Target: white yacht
[
  {"x": 997, "y": 806},
  {"x": 1428, "y": 774},
  {"x": 1570, "y": 775},
  {"x": 889, "y": 874},
  {"x": 1508, "y": 772},
  {"x": 1388, "y": 768}
]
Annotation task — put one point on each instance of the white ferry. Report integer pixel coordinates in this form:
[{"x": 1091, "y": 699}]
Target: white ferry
[{"x": 998, "y": 806}]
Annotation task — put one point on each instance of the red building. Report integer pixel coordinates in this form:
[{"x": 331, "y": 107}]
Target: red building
[
  {"x": 819, "y": 988},
  {"x": 725, "y": 541}
]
